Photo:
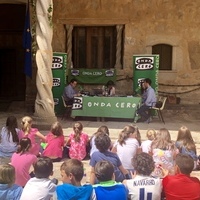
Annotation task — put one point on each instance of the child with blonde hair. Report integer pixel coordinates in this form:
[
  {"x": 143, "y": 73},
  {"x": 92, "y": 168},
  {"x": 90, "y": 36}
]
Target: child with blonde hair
[
  {"x": 78, "y": 141},
  {"x": 164, "y": 152},
  {"x": 146, "y": 145},
  {"x": 22, "y": 160},
  {"x": 186, "y": 144},
  {"x": 55, "y": 142},
  {"x": 9, "y": 190},
  {"x": 127, "y": 145},
  {"x": 32, "y": 134}
]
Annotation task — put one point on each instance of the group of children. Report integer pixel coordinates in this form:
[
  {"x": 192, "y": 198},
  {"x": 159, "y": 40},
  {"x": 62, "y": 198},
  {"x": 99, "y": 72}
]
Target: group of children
[{"x": 125, "y": 169}]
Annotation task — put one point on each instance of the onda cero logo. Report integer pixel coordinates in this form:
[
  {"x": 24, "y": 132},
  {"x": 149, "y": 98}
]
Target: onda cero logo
[
  {"x": 144, "y": 63},
  {"x": 56, "y": 82},
  {"x": 57, "y": 62},
  {"x": 78, "y": 103}
]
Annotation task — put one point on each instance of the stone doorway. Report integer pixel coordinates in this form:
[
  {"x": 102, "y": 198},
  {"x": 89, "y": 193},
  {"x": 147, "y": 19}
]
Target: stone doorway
[{"x": 12, "y": 77}]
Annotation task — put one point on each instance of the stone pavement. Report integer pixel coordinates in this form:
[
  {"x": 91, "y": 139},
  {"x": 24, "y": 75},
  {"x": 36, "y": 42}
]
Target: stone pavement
[{"x": 174, "y": 119}]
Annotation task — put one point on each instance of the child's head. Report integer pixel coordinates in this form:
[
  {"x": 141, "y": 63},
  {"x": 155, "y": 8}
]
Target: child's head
[
  {"x": 77, "y": 127},
  {"x": 184, "y": 134},
  {"x": 104, "y": 171},
  {"x": 72, "y": 171},
  {"x": 163, "y": 134},
  {"x": 11, "y": 125},
  {"x": 143, "y": 164},
  {"x": 26, "y": 123},
  {"x": 24, "y": 145},
  {"x": 102, "y": 141},
  {"x": 11, "y": 122},
  {"x": 43, "y": 168},
  {"x": 128, "y": 131},
  {"x": 163, "y": 140},
  {"x": 56, "y": 129},
  {"x": 185, "y": 163},
  {"x": 7, "y": 174},
  {"x": 103, "y": 129},
  {"x": 151, "y": 134}
]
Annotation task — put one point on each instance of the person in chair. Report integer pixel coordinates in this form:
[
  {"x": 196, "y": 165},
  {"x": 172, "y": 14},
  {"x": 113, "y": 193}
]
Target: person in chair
[
  {"x": 109, "y": 89},
  {"x": 70, "y": 92},
  {"x": 149, "y": 100}
]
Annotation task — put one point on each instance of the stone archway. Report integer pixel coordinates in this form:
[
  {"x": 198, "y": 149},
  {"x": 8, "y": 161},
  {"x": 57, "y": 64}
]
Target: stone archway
[{"x": 44, "y": 104}]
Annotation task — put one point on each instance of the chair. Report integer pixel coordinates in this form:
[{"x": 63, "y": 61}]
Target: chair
[
  {"x": 159, "y": 109},
  {"x": 68, "y": 109}
]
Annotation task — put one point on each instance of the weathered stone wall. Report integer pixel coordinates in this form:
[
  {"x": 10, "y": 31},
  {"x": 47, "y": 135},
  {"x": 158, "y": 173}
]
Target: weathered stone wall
[{"x": 175, "y": 22}]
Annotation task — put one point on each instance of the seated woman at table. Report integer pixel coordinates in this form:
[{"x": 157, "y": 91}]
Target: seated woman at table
[{"x": 109, "y": 89}]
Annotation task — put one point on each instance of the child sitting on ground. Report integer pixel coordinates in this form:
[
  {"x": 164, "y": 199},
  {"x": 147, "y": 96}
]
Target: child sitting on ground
[
  {"x": 146, "y": 145},
  {"x": 72, "y": 173},
  {"x": 107, "y": 188},
  {"x": 55, "y": 142},
  {"x": 40, "y": 187},
  {"x": 186, "y": 144},
  {"x": 103, "y": 129},
  {"x": 103, "y": 143},
  {"x": 78, "y": 141},
  {"x": 181, "y": 185},
  {"x": 32, "y": 134},
  {"x": 9, "y": 190},
  {"x": 142, "y": 185},
  {"x": 9, "y": 138},
  {"x": 23, "y": 160},
  {"x": 127, "y": 146},
  {"x": 164, "y": 152}
]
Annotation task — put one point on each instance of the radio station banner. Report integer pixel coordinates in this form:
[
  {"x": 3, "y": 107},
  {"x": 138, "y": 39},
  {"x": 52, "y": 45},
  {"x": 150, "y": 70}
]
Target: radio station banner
[
  {"x": 114, "y": 107},
  {"x": 92, "y": 76},
  {"x": 145, "y": 66},
  {"x": 59, "y": 67}
]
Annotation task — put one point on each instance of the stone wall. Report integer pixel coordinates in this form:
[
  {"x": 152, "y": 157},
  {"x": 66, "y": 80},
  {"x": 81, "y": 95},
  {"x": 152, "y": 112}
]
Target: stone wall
[{"x": 174, "y": 22}]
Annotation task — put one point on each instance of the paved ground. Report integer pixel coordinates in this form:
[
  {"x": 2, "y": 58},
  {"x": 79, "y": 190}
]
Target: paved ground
[{"x": 174, "y": 119}]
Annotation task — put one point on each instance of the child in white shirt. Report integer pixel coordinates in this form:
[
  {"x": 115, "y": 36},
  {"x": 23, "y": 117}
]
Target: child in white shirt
[{"x": 143, "y": 185}]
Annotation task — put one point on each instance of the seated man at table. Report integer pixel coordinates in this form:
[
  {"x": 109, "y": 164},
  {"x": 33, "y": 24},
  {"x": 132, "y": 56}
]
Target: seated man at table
[
  {"x": 148, "y": 100},
  {"x": 69, "y": 92}
]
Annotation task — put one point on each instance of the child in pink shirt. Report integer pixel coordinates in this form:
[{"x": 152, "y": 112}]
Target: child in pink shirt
[
  {"x": 31, "y": 133},
  {"x": 55, "y": 142},
  {"x": 78, "y": 141},
  {"x": 22, "y": 160}
]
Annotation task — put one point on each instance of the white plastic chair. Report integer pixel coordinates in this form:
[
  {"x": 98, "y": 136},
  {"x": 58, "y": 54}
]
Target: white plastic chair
[{"x": 159, "y": 110}]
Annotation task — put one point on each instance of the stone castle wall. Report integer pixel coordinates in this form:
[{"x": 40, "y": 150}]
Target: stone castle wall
[{"x": 174, "y": 22}]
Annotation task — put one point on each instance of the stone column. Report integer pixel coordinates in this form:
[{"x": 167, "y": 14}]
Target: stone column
[
  {"x": 69, "y": 29},
  {"x": 44, "y": 104},
  {"x": 118, "y": 64}
]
